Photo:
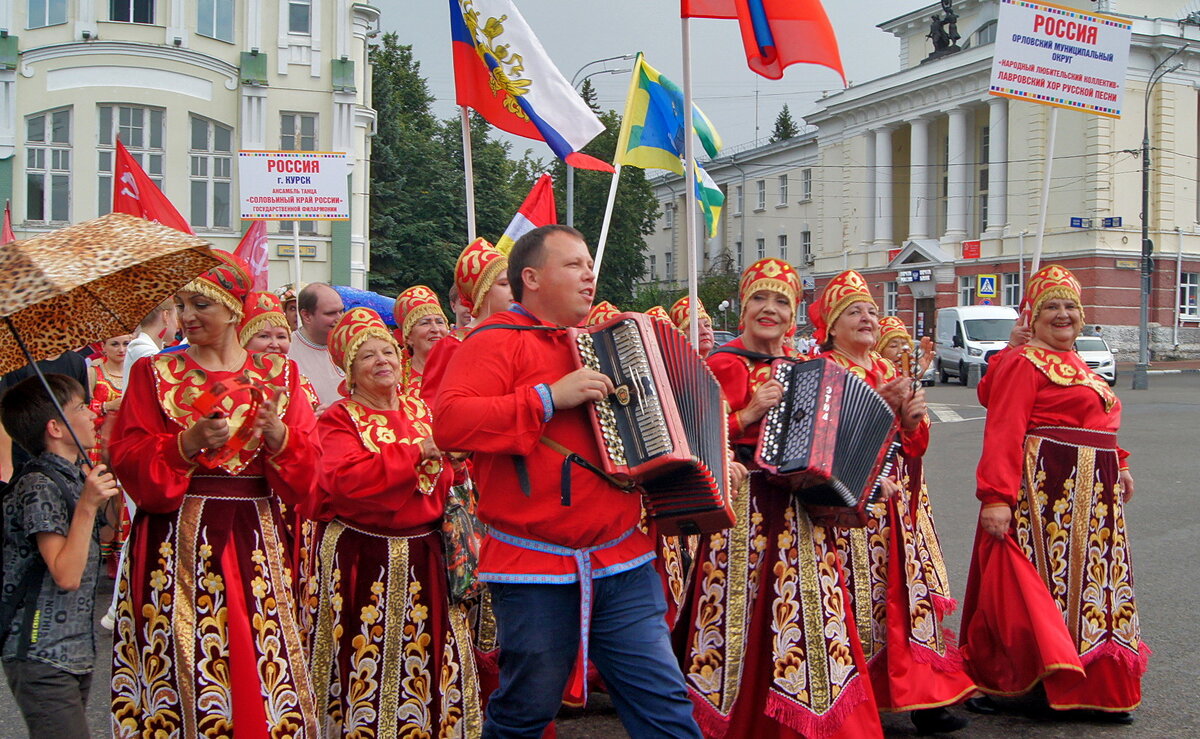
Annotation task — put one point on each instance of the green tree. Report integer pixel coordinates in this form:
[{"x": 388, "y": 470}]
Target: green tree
[
  {"x": 634, "y": 212},
  {"x": 785, "y": 126}
]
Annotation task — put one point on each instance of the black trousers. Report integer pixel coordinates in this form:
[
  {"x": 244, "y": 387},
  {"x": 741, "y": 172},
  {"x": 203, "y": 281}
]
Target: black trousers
[{"x": 52, "y": 701}]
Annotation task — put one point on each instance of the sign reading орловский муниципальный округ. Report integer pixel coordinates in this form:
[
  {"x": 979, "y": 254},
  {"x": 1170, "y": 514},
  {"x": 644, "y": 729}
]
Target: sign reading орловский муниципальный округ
[{"x": 1058, "y": 56}]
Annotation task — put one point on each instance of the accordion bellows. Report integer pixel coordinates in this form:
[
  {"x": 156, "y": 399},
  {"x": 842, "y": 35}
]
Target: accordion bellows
[
  {"x": 664, "y": 427},
  {"x": 829, "y": 440}
]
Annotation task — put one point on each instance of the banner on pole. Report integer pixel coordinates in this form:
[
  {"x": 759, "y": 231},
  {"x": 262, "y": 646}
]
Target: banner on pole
[
  {"x": 294, "y": 185},
  {"x": 1059, "y": 56}
]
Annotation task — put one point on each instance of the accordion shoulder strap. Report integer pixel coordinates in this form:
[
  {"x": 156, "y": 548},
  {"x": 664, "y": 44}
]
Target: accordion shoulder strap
[
  {"x": 756, "y": 356},
  {"x": 512, "y": 327},
  {"x": 569, "y": 458}
]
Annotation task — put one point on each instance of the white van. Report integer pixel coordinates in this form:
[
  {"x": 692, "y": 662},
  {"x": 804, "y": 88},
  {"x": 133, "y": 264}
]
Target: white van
[{"x": 969, "y": 334}]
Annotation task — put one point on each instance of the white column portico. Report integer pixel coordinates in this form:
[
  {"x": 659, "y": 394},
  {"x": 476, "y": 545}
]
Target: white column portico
[
  {"x": 883, "y": 185},
  {"x": 920, "y": 204},
  {"x": 958, "y": 177},
  {"x": 870, "y": 210},
  {"x": 997, "y": 215}
]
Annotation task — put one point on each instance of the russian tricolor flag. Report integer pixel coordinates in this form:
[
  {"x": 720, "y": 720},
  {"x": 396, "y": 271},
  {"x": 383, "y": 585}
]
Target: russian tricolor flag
[{"x": 502, "y": 71}]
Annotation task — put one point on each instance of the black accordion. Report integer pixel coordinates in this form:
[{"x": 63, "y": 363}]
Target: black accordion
[
  {"x": 664, "y": 427},
  {"x": 829, "y": 440}
]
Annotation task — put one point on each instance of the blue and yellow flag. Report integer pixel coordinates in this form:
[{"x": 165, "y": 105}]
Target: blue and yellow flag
[{"x": 652, "y": 128}]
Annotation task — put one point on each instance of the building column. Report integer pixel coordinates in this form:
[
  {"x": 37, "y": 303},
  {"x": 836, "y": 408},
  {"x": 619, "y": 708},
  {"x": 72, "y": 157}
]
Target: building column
[
  {"x": 997, "y": 166},
  {"x": 883, "y": 185},
  {"x": 958, "y": 178},
  {"x": 919, "y": 203},
  {"x": 869, "y": 215}
]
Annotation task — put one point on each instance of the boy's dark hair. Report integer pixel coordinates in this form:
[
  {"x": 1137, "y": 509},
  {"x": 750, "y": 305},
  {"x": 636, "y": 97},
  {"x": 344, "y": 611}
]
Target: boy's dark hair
[
  {"x": 26, "y": 408},
  {"x": 530, "y": 251}
]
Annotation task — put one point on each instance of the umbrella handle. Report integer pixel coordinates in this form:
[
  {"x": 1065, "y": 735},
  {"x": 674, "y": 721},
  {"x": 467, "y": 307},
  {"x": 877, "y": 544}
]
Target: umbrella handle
[{"x": 57, "y": 406}]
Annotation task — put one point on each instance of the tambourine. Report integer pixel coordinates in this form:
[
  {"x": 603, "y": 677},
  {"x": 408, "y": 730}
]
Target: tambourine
[{"x": 209, "y": 406}]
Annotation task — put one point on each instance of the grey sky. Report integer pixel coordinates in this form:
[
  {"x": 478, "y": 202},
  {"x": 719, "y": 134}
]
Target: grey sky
[{"x": 576, "y": 32}]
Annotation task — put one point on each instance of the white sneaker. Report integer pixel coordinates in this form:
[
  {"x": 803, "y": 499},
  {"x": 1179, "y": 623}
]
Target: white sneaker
[{"x": 108, "y": 621}]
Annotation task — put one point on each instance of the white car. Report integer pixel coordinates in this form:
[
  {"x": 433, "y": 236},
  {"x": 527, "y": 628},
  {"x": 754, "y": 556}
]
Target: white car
[{"x": 1094, "y": 350}]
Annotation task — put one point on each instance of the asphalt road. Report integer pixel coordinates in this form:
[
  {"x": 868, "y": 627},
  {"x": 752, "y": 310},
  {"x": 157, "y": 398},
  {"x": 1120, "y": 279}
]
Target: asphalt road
[{"x": 1161, "y": 428}]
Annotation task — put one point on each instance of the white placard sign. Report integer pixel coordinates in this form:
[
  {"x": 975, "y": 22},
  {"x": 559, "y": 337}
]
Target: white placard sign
[
  {"x": 1059, "y": 56},
  {"x": 294, "y": 185}
]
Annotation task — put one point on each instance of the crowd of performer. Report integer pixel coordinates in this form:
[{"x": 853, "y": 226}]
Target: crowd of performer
[{"x": 337, "y": 528}]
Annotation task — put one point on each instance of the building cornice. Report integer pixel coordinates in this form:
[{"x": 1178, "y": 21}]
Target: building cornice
[
  {"x": 918, "y": 20},
  {"x": 93, "y": 49}
]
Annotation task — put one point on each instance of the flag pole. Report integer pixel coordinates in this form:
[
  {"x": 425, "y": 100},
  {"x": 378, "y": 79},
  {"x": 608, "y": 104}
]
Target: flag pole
[
  {"x": 469, "y": 169},
  {"x": 1036, "y": 263},
  {"x": 608, "y": 211},
  {"x": 689, "y": 149},
  {"x": 296, "y": 253}
]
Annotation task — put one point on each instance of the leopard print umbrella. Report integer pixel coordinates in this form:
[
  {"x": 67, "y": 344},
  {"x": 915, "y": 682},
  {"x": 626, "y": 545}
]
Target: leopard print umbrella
[{"x": 84, "y": 283}]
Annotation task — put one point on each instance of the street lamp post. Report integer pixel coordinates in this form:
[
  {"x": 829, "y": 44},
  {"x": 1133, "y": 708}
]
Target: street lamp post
[
  {"x": 576, "y": 81},
  {"x": 1141, "y": 375}
]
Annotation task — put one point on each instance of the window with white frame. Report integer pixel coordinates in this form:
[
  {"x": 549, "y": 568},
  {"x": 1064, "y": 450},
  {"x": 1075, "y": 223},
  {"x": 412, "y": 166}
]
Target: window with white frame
[
  {"x": 739, "y": 199},
  {"x": 669, "y": 265},
  {"x": 806, "y": 254},
  {"x": 741, "y": 255},
  {"x": 1012, "y": 288},
  {"x": 966, "y": 290},
  {"x": 214, "y": 18},
  {"x": 131, "y": 11},
  {"x": 42, "y": 13},
  {"x": 760, "y": 248},
  {"x": 48, "y": 166},
  {"x": 669, "y": 215},
  {"x": 761, "y": 202},
  {"x": 783, "y": 247},
  {"x": 141, "y": 131},
  {"x": 298, "y": 132},
  {"x": 805, "y": 185},
  {"x": 984, "y": 145},
  {"x": 1189, "y": 294},
  {"x": 300, "y": 16},
  {"x": 211, "y": 173},
  {"x": 783, "y": 190},
  {"x": 653, "y": 267},
  {"x": 891, "y": 298}
]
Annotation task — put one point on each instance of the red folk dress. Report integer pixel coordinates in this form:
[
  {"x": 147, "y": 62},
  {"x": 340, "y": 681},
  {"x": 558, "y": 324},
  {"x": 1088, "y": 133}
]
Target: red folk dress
[
  {"x": 772, "y": 649},
  {"x": 900, "y": 588},
  {"x": 206, "y": 641},
  {"x": 105, "y": 390},
  {"x": 1050, "y": 452},
  {"x": 390, "y": 655}
]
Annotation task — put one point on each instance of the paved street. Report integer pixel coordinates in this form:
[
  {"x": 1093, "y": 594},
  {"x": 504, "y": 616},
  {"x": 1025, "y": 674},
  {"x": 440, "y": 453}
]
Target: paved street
[{"x": 1161, "y": 428}]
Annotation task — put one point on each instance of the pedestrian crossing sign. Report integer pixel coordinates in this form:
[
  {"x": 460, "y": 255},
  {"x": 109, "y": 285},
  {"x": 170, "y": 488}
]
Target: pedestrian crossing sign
[{"x": 987, "y": 286}]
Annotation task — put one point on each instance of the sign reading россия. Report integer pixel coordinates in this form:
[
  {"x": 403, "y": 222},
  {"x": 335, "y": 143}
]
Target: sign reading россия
[
  {"x": 294, "y": 185},
  {"x": 1059, "y": 56}
]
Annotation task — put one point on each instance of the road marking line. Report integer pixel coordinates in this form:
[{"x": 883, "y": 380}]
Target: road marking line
[{"x": 943, "y": 412}]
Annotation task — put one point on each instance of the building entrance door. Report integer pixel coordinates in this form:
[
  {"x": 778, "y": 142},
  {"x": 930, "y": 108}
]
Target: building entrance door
[{"x": 925, "y": 316}]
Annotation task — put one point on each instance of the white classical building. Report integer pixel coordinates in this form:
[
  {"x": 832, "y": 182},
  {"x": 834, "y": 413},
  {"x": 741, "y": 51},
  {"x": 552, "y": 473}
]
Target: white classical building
[
  {"x": 185, "y": 84},
  {"x": 924, "y": 182}
]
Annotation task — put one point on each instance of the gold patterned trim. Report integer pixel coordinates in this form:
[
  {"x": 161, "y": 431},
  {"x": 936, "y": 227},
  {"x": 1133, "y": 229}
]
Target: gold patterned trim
[
  {"x": 259, "y": 322},
  {"x": 736, "y": 613},
  {"x": 183, "y": 617},
  {"x": 860, "y": 563},
  {"x": 393, "y": 652},
  {"x": 815, "y": 653},
  {"x": 472, "y": 715},
  {"x": 322, "y": 652},
  {"x": 486, "y": 279},
  {"x": 1061, "y": 371},
  {"x": 1085, "y": 468},
  {"x": 212, "y": 292}
]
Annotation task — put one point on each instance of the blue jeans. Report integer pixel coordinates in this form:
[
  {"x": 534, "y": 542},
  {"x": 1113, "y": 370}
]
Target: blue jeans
[{"x": 629, "y": 644}]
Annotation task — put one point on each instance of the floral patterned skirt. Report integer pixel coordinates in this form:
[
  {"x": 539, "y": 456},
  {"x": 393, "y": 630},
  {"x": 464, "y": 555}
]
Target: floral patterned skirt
[
  {"x": 391, "y": 657},
  {"x": 770, "y": 646},
  {"x": 206, "y": 642}
]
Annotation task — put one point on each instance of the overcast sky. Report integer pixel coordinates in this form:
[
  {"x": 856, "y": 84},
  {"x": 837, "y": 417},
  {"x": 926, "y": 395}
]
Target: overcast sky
[{"x": 575, "y": 32}]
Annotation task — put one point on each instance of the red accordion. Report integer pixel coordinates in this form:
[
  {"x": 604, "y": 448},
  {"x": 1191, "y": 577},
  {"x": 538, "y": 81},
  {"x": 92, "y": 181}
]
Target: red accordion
[
  {"x": 664, "y": 427},
  {"x": 829, "y": 440}
]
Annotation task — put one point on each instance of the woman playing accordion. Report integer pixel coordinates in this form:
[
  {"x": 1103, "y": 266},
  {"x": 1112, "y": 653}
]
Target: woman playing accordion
[
  {"x": 771, "y": 649},
  {"x": 1050, "y": 592}
]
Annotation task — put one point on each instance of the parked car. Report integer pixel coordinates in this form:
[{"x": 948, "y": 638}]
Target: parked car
[
  {"x": 1094, "y": 350},
  {"x": 722, "y": 337},
  {"x": 969, "y": 334}
]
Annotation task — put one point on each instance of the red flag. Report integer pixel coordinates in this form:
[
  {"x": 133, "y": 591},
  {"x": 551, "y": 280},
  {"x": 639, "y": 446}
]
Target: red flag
[
  {"x": 7, "y": 236},
  {"x": 776, "y": 33},
  {"x": 253, "y": 249},
  {"x": 136, "y": 194}
]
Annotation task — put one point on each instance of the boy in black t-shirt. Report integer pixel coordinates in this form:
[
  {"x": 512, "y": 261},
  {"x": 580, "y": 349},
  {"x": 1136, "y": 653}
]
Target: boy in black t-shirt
[{"x": 51, "y": 557}]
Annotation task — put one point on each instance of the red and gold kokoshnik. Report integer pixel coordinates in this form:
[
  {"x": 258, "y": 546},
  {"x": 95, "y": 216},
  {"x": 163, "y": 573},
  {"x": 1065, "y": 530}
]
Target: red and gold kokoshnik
[
  {"x": 414, "y": 304},
  {"x": 660, "y": 313},
  {"x": 600, "y": 313},
  {"x": 681, "y": 312},
  {"x": 770, "y": 274},
  {"x": 228, "y": 283},
  {"x": 477, "y": 269},
  {"x": 352, "y": 330},
  {"x": 842, "y": 291},
  {"x": 1050, "y": 282},
  {"x": 891, "y": 327},
  {"x": 261, "y": 310}
]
